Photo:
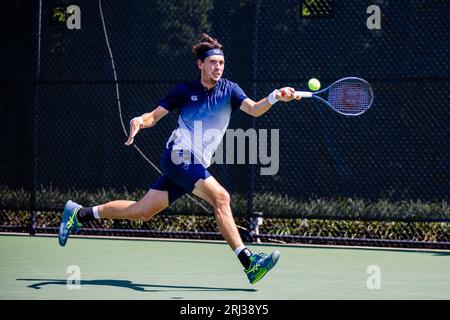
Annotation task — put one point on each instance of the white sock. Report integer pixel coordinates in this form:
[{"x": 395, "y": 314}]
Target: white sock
[
  {"x": 239, "y": 249},
  {"x": 95, "y": 211}
]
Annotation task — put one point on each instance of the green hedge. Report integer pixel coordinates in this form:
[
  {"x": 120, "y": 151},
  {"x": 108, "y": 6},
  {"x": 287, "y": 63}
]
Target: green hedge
[
  {"x": 272, "y": 205},
  {"x": 281, "y": 215}
]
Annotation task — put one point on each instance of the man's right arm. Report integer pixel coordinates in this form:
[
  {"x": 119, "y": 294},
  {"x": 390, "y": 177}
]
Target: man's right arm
[{"x": 147, "y": 120}]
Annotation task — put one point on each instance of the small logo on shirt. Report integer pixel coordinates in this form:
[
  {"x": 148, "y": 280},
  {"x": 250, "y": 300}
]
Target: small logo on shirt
[{"x": 194, "y": 98}]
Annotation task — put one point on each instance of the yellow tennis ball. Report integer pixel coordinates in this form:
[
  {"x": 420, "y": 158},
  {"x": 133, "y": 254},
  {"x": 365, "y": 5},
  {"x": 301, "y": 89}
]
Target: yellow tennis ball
[{"x": 314, "y": 84}]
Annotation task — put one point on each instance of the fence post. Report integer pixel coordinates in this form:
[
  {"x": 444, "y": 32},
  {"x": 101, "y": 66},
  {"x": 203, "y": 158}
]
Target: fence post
[
  {"x": 35, "y": 126},
  {"x": 251, "y": 189}
]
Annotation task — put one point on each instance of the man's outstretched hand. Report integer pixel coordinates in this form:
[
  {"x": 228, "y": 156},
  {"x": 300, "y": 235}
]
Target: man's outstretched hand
[{"x": 135, "y": 126}]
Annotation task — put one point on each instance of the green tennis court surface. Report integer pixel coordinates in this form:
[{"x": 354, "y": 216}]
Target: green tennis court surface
[{"x": 35, "y": 268}]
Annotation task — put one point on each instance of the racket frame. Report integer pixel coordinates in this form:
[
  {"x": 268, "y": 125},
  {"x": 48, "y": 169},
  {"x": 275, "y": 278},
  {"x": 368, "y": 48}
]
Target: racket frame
[{"x": 309, "y": 94}]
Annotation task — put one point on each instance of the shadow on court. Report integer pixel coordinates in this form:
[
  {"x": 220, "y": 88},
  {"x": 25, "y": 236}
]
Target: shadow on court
[
  {"x": 442, "y": 254},
  {"x": 129, "y": 285}
]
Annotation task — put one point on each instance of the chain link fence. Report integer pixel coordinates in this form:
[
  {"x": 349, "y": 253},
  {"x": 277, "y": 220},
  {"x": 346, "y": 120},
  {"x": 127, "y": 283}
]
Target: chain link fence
[{"x": 377, "y": 178}]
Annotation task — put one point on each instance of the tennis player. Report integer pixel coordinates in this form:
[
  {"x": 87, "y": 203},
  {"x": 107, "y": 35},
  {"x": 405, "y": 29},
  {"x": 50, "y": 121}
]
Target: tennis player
[{"x": 204, "y": 104}]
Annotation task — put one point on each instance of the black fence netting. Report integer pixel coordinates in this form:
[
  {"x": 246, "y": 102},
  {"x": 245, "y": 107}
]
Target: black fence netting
[
  {"x": 68, "y": 94},
  {"x": 399, "y": 149}
]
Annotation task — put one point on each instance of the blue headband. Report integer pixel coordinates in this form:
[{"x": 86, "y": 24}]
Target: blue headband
[{"x": 210, "y": 52}]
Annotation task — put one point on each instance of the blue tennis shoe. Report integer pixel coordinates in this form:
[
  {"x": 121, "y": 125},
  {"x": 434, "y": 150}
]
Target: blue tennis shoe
[
  {"x": 69, "y": 221},
  {"x": 260, "y": 264}
]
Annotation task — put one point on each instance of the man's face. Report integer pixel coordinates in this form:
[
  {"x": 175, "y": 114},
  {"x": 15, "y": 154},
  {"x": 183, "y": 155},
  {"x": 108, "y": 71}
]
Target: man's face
[{"x": 212, "y": 67}]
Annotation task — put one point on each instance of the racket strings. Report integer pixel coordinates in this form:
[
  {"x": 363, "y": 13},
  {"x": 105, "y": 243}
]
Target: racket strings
[{"x": 350, "y": 96}]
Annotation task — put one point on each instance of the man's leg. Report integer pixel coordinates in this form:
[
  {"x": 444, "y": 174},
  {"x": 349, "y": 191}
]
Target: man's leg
[
  {"x": 151, "y": 204},
  {"x": 256, "y": 265},
  {"x": 74, "y": 214},
  {"x": 211, "y": 191}
]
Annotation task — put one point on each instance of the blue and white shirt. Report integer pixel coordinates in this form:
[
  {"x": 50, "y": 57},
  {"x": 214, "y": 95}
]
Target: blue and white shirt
[{"x": 204, "y": 116}]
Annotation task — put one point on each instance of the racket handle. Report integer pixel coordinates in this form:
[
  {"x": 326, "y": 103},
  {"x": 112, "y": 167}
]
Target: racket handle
[{"x": 303, "y": 94}]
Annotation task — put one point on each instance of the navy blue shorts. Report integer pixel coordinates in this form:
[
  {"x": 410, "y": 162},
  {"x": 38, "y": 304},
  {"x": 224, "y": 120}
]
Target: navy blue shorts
[{"x": 177, "y": 179}]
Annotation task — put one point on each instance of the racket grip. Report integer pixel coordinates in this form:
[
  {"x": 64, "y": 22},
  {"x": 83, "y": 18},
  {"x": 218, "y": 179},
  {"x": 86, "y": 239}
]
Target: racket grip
[{"x": 303, "y": 94}]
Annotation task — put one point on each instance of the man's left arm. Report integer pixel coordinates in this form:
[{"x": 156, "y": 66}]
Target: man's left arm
[{"x": 257, "y": 109}]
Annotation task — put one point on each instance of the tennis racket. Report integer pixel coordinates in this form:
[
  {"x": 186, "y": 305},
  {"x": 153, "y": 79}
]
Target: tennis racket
[{"x": 349, "y": 96}]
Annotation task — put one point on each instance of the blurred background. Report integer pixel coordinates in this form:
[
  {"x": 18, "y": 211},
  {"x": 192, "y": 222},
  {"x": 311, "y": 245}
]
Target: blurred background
[{"x": 379, "y": 179}]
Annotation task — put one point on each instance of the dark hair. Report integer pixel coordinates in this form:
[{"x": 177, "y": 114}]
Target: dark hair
[{"x": 206, "y": 42}]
